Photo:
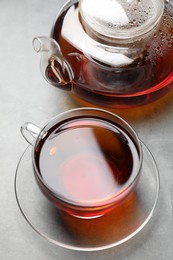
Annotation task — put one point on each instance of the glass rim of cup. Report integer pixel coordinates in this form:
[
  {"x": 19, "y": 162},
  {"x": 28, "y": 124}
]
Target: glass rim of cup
[{"x": 110, "y": 200}]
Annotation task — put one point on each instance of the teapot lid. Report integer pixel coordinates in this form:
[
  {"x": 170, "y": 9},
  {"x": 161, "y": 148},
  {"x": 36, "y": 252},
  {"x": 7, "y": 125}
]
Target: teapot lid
[{"x": 120, "y": 19}]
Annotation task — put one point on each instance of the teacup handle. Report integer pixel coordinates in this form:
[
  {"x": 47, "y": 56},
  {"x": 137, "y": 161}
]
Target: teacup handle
[{"x": 30, "y": 132}]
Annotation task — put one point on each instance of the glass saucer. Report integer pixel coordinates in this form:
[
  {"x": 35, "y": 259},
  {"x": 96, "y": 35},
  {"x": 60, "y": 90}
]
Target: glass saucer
[{"x": 112, "y": 229}]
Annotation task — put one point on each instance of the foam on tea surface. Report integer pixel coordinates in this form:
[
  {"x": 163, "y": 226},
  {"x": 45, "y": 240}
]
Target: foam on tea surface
[{"x": 87, "y": 160}]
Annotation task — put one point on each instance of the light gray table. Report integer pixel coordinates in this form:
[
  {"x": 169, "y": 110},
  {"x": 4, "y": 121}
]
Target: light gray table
[{"x": 25, "y": 96}]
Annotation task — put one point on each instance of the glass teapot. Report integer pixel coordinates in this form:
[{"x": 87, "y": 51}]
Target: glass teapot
[{"x": 113, "y": 53}]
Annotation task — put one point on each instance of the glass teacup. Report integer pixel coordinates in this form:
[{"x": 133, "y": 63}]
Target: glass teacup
[{"x": 86, "y": 161}]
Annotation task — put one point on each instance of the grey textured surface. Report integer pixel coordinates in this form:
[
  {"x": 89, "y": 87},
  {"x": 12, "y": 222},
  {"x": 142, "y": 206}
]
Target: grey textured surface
[{"x": 25, "y": 96}]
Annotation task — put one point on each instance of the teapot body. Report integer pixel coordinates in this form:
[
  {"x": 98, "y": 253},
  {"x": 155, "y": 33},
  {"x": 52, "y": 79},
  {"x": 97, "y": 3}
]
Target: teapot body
[{"x": 115, "y": 74}]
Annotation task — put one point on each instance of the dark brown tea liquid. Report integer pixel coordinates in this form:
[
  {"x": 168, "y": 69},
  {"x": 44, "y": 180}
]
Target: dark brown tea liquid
[
  {"x": 136, "y": 84},
  {"x": 87, "y": 161}
]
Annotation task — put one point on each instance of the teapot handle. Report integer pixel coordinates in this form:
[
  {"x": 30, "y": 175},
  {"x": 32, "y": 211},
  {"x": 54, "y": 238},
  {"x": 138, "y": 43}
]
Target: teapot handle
[{"x": 54, "y": 68}]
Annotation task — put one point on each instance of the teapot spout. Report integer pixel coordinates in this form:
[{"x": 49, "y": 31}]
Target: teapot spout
[{"x": 54, "y": 68}]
